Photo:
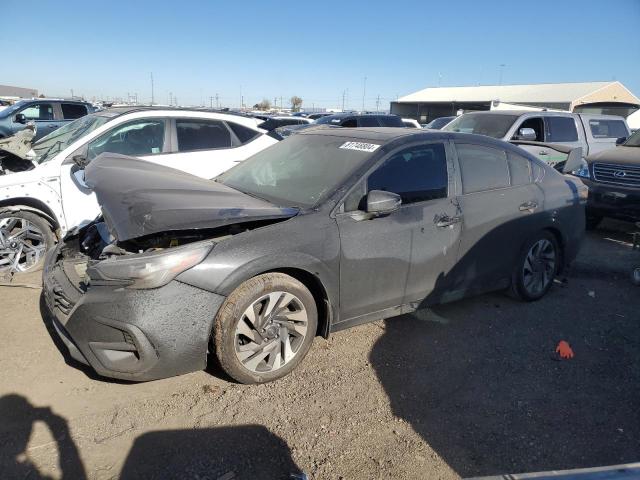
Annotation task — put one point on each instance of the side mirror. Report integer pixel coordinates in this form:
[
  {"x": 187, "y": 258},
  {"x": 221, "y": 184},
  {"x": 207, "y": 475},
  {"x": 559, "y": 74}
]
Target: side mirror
[
  {"x": 382, "y": 203},
  {"x": 80, "y": 160},
  {"x": 621, "y": 140},
  {"x": 574, "y": 160},
  {"x": 20, "y": 118},
  {"x": 526, "y": 134}
]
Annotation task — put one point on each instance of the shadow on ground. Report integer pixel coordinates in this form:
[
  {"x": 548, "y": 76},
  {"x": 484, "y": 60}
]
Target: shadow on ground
[
  {"x": 17, "y": 418},
  {"x": 247, "y": 451},
  {"x": 480, "y": 382}
]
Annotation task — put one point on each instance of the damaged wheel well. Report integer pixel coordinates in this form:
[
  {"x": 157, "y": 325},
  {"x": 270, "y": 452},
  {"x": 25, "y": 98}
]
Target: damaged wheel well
[
  {"x": 319, "y": 295},
  {"x": 31, "y": 205}
]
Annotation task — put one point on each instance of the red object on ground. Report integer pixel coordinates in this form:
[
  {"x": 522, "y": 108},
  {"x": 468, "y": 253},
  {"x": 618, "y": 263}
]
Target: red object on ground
[{"x": 564, "y": 350}]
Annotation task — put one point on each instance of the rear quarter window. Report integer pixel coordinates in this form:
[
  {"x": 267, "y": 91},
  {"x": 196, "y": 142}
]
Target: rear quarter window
[
  {"x": 608, "y": 128},
  {"x": 71, "y": 111},
  {"x": 244, "y": 134}
]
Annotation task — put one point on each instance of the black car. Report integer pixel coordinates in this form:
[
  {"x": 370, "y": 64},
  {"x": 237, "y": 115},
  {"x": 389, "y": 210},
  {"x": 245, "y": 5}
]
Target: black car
[
  {"x": 438, "y": 123},
  {"x": 328, "y": 229},
  {"x": 347, "y": 120},
  {"x": 613, "y": 178}
]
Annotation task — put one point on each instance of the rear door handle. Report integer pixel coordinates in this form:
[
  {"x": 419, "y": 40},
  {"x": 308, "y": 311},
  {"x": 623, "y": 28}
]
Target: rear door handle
[
  {"x": 528, "y": 206},
  {"x": 543, "y": 152},
  {"x": 442, "y": 221}
]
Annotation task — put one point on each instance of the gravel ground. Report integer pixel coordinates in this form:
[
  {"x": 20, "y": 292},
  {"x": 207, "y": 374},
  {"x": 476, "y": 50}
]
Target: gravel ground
[{"x": 466, "y": 389}]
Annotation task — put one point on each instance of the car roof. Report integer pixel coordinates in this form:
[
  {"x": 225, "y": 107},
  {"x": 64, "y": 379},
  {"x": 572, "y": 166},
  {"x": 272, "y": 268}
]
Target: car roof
[{"x": 386, "y": 135}]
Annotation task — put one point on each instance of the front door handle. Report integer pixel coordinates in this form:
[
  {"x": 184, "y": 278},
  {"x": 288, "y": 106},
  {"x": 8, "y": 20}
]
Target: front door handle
[
  {"x": 528, "y": 206},
  {"x": 444, "y": 220},
  {"x": 543, "y": 152}
]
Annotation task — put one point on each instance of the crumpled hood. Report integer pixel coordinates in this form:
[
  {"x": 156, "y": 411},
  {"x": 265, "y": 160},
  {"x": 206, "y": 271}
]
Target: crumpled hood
[
  {"x": 139, "y": 198},
  {"x": 621, "y": 155}
]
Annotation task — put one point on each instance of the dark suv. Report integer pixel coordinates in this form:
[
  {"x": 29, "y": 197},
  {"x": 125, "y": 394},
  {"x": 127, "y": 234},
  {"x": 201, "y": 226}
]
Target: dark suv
[
  {"x": 613, "y": 178},
  {"x": 361, "y": 120},
  {"x": 47, "y": 114}
]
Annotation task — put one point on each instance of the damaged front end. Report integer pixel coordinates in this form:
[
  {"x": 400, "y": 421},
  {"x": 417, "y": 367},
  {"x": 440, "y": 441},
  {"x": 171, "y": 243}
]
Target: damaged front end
[{"x": 16, "y": 154}]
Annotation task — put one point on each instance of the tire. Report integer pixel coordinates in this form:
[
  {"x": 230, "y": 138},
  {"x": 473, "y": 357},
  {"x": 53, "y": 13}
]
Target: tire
[
  {"x": 592, "y": 221},
  {"x": 255, "y": 330},
  {"x": 536, "y": 268},
  {"x": 32, "y": 237}
]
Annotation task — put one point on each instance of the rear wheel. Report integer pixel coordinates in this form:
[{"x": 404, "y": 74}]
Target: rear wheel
[
  {"x": 265, "y": 328},
  {"x": 536, "y": 267},
  {"x": 24, "y": 239}
]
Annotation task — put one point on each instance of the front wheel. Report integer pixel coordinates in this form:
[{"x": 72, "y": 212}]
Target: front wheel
[
  {"x": 536, "y": 267},
  {"x": 25, "y": 237},
  {"x": 265, "y": 328}
]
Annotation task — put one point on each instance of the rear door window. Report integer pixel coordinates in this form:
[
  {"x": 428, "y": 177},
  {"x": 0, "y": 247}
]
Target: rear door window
[
  {"x": 608, "y": 128},
  {"x": 368, "y": 122},
  {"x": 561, "y": 129},
  {"x": 137, "y": 138},
  {"x": 417, "y": 174},
  {"x": 202, "y": 135},
  {"x": 71, "y": 111},
  {"x": 38, "y": 111},
  {"x": 482, "y": 168}
]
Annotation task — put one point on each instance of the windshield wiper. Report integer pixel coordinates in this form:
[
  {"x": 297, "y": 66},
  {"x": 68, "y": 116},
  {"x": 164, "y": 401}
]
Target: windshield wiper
[{"x": 46, "y": 153}]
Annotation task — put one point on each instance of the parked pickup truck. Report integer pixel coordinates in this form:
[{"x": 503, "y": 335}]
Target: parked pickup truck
[{"x": 593, "y": 133}]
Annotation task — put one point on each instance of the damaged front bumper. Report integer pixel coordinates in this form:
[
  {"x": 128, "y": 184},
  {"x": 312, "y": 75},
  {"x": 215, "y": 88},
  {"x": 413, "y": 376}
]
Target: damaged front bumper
[{"x": 126, "y": 333}]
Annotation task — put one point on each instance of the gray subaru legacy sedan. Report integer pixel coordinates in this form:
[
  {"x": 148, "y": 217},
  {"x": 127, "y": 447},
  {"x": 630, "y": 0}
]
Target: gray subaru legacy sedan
[{"x": 327, "y": 229}]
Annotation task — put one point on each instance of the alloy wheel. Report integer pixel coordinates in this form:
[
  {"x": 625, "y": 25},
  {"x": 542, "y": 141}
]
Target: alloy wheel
[
  {"x": 271, "y": 332},
  {"x": 539, "y": 266},
  {"x": 22, "y": 244}
]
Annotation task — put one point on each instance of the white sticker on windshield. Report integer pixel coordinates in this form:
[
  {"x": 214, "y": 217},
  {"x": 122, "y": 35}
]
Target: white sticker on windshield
[{"x": 360, "y": 146}]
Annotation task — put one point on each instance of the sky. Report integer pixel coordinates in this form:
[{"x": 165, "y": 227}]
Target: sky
[{"x": 319, "y": 50}]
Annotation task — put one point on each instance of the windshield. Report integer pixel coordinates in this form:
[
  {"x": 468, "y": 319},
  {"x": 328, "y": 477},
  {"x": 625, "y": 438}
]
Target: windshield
[
  {"x": 633, "y": 140},
  {"x": 47, "y": 147},
  {"x": 7, "y": 111},
  {"x": 490, "y": 124},
  {"x": 299, "y": 171}
]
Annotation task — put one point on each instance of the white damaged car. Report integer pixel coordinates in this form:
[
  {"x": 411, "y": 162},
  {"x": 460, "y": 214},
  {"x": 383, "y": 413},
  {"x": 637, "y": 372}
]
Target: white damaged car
[{"x": 39, "y": 205}]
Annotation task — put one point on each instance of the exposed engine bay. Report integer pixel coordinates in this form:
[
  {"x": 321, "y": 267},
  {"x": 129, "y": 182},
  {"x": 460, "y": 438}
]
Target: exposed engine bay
[
  {"x": 15, "y": 151},
  {"x": 95, "y": 241}
]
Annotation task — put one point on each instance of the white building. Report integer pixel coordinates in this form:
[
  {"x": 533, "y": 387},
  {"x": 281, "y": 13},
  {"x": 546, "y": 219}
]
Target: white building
[{"x": 588, "y": 97}]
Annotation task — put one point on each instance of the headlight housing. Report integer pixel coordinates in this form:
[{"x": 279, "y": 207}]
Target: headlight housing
[
  {"x": 583, "y": 170},
  {"x": 149, "y": 270}
]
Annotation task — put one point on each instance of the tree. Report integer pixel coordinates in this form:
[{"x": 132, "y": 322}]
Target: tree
[
  {"x": 263, "y": 105},
  {"x": 296, "y": 103}
]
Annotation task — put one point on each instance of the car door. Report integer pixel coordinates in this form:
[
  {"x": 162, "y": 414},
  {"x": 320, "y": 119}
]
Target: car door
[
  {"x": 207, "y": 147},
  {"x": 144, "y": 138},
  {"x": 42, "y": 114},
  {"x": 395, "y": 259},
  {"x": 501, "y": 205}
]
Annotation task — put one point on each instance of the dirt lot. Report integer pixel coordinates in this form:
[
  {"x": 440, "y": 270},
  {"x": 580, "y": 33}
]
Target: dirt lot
[{"x": 471, "y": 388}]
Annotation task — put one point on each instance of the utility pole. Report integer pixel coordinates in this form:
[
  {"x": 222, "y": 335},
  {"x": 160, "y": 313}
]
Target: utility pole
[
  {"x": 378, "y": 103},
  {"x": 217, "y": 105},
  {"x": 170, "y": 98},
  {"x": 152, "y": 99},
  {"x": 241, "y": 97},
  {"x": 364, "y": 92},
  {"x": 281, "y": 106},
  {"x": 344, "y": 94},
  {"x": 211, "y": 101}
]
